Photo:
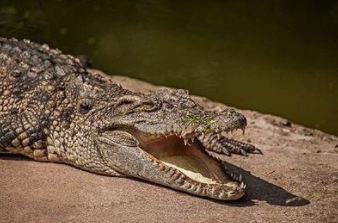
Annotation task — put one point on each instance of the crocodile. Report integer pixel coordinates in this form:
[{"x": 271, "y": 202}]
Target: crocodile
[{"x": 54, "y": 109}]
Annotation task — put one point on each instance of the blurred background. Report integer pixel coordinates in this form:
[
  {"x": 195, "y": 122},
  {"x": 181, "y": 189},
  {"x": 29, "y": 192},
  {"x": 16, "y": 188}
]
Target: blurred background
[{"x": 278, "y": 57}]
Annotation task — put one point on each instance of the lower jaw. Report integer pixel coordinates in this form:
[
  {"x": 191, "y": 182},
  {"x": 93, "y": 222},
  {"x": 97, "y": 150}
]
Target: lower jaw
[
  {"x": 204, "y": 176},
  {"x": 203, "y": 186}
]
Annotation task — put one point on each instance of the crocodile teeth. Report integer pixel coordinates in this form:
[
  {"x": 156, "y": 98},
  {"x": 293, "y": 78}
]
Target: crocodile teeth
[
  {"x": 240, "y": 178},
  {"x": 186, "y": 142},
  {"x": 219, "y": 136},
  {"x": 243, "y": 185},
  {"x": 243, "y": 130}
]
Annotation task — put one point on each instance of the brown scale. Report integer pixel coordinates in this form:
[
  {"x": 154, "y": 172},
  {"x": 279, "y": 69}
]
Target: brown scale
[{"x": 28, "y": 76}]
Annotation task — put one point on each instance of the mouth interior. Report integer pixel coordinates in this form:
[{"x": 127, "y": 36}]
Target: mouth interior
[{"x": 190, "y": 159}]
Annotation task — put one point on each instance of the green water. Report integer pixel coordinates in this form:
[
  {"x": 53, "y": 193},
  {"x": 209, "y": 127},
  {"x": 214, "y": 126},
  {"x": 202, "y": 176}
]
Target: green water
[{"x": 278, "y": 57}]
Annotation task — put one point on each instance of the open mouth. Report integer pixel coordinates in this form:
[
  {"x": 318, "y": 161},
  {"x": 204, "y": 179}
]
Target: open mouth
[
  {"x": 190, "y": 161},
  {"x": 186, "y": 159}
]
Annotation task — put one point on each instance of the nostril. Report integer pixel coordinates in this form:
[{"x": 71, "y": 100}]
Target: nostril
[{"x": 242, "y": 119}]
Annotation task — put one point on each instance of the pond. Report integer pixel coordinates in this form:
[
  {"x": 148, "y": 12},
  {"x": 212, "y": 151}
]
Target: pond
[{"x": 278, "y": 57}]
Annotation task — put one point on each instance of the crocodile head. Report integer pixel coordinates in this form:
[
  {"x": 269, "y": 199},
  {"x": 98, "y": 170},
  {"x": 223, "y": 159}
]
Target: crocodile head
[{"x": 157, "y": 138}]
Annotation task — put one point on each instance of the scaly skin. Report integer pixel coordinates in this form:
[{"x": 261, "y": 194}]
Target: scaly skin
[{"x": 52, "y": 109}]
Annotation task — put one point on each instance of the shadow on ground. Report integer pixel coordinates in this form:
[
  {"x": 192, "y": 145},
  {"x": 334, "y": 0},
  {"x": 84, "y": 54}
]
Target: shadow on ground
[{"x": 261, "y": 190}]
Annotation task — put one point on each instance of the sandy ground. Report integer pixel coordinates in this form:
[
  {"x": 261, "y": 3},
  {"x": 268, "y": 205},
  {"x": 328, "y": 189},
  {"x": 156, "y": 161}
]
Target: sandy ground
[{"x": 296, "y": 180}]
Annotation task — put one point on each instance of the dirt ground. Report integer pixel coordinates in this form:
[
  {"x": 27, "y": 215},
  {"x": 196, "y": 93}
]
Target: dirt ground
[{"x": 296, "y": 180}]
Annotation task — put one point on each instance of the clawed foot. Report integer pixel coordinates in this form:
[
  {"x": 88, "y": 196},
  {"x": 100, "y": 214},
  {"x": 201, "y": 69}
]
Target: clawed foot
[{"x": 219, "y": 147}]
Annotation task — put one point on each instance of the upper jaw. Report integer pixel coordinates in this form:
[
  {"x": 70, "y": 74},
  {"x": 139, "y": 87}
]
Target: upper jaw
[{"x": 214, "y": 125}]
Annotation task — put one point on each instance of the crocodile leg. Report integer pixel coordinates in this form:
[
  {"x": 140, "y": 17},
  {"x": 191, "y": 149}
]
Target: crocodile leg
[
  {"x": 22, "y": 134},
  {"x": 220, "y": 145}
]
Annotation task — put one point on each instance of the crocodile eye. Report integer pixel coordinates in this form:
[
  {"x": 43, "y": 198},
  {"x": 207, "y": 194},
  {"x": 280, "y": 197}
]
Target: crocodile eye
[
  {"x": 85, "y": 105},
  {"x": 148, "y": 106},
  {"x": 151, "y": 105}
]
